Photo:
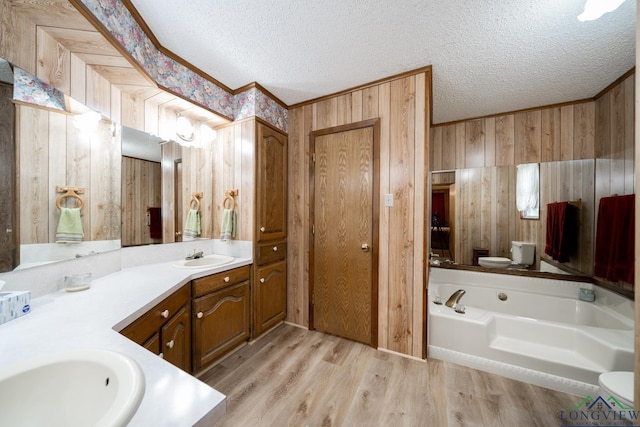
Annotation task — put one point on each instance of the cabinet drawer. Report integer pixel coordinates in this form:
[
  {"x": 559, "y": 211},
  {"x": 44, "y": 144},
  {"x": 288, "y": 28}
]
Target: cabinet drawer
[
  {"x": 271, "y": 252},
  {"x": 149, "y": 323},
  {"x": 217, "y": 281}
]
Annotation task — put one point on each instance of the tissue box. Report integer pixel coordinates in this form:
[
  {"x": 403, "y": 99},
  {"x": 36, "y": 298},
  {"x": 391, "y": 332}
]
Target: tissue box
[{"x": 14, "y": 305}]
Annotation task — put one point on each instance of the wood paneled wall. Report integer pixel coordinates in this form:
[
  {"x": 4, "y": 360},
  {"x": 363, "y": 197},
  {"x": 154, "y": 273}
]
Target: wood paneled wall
[
  {"x": 53, "y": 152},
  {"x": 402, "y": 104},
  {"x": 542, "y": 135},
  {"x": 234, "y": 155}
]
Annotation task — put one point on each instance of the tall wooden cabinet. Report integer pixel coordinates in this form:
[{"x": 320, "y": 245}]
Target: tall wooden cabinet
[{"x": 270, "y": 244}]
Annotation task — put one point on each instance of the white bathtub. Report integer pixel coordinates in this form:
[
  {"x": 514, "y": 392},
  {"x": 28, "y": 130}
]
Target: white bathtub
[{"x": 541, "y": 333}]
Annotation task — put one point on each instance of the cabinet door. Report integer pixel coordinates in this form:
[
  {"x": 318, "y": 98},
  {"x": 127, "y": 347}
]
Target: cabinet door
[
  {"x": 270, "y": 296},
  {"x": 153, "y": 343},
  {"x": 220, "y": 322},
  {"x": 176, "y": 339},
  {"x": 271, "y": 221}
]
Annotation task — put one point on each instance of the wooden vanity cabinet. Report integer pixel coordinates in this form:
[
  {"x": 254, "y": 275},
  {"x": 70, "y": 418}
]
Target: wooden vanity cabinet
[
  {"x": 221, "y": 314},
  {"x": 166, "y": 329}
]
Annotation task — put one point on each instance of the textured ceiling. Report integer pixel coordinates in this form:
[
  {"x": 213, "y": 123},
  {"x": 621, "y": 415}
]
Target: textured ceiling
[{"x": 488, "y": 56}]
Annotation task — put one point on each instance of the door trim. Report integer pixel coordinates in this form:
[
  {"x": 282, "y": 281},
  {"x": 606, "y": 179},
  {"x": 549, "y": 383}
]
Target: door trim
[{"x": 375, "y": 220}]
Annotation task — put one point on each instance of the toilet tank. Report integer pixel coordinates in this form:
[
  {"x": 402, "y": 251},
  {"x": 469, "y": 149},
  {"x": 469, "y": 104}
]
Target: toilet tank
[{"x": 523, "y": 252}]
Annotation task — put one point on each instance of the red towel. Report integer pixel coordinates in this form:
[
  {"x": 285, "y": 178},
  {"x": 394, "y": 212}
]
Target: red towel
[
  {"x": 562, "y": 231},
  {"x": 155, "y": 223},
  {"x": 615, "y": 231}
]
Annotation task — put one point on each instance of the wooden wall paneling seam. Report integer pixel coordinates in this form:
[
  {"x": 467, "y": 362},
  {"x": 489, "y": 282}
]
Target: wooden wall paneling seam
[
  {"x": 584, "y": 123},
  {"x": 365, "y": 86},
  {"x": 551, "y": 139},
  {"x": 490, "y": 141},
  {"x": 402, "y": 133},
  {"x": 435, "y": 150},
  {"x": 384, "y": 112},
  {"x": 295, "y": 215},
  {"x": 566, "y": 132},
  {"x": 505, "y": 140}
]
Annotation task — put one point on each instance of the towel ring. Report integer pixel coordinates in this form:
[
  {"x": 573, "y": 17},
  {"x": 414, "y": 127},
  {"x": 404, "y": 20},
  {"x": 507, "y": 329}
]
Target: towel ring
[
  {"x": 195, "y": 198},
  {"x": 232, "y": 201},
  {"x": 69, "y": 193}
]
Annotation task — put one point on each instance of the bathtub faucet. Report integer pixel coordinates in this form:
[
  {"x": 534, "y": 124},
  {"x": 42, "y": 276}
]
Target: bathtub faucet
[{"x": 454, "y": 298}]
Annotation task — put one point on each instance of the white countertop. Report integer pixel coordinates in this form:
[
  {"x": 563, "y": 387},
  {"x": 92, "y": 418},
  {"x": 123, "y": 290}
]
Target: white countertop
[{"x": 62, "y": 321}]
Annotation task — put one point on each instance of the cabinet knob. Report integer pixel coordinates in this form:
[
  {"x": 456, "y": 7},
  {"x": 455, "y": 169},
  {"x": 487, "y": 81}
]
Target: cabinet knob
[
  {"x": 262, "y": 229},
  {"x": 262, "y": 280},
  {"x": 199, "y": 315},
  {"x": 164, "y": 314},
  {"x": 170, "y": 344},
  {"x": 161, "y": 355},
  {"x": 226, "y": 279},
  {"x": 275, "y": 249}
]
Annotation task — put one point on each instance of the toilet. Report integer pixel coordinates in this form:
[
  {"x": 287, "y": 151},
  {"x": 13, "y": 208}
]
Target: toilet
[
  {"x": 618, "y": 384},
  {"x": 523, "y": 254}
]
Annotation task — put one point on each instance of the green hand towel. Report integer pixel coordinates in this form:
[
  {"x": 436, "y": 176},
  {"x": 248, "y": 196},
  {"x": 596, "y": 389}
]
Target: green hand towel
[
  {"x": 192, "y": 224},
  {"x": 69, "y": 226},
  {"x": 228, "y": 228}
]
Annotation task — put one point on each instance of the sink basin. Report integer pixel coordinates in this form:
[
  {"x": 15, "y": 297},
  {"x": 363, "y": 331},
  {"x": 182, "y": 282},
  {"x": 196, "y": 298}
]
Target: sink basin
[
  {"x": 79, "y": 388},
  {"x": 205, "y": 262}
]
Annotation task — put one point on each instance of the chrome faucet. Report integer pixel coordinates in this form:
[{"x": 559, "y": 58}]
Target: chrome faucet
[
  {"x": 195, "y": 255},
  {"x": 454, "y": 298}
]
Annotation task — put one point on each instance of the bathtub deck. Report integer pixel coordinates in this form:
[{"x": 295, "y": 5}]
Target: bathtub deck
[
  {"x": 298, "y": 377},
  {"x": 539, "y": 354}
]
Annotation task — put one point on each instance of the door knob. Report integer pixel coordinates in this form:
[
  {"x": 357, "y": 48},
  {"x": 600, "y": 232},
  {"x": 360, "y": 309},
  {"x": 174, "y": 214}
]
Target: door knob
[{"x": 365, "y": 247}]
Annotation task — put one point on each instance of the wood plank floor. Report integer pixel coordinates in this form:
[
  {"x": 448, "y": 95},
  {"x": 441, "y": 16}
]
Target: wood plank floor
[{"x": 296, "y": 377}]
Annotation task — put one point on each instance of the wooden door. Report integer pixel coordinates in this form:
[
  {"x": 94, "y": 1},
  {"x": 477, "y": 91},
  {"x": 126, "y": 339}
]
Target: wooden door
[
  {"x": 271, "y": 190},
  {"x": 344, "y": 236}
]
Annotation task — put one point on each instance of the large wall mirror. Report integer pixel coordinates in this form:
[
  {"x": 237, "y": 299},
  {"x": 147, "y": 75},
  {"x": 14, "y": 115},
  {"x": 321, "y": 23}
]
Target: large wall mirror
[
  {"x": 162, "y": 181},
  {"x": 475, "y": 208},
  {"x": 474, "y": 212},
  {"x": 122, "y": 186}
]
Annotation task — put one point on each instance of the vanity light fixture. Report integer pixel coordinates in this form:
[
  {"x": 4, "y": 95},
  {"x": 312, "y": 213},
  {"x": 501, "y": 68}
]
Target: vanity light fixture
[
  {"x": 594, "y": 9},
  {"x": 184, "y": 129},
  {"x": 86, "y": 122}
]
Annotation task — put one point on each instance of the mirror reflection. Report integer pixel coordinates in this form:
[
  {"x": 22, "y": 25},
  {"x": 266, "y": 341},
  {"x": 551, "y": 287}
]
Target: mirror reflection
[
  {"x": 167, "y": 190},
  {"x": 69, "y": 185},
  {"x": 475, "y": 214}
]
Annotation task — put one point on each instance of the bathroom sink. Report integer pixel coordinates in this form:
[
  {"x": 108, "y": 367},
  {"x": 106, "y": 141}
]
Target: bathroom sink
[
  {"x": 78, "y": 388},
  {"x": 204, "y": 262}
]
